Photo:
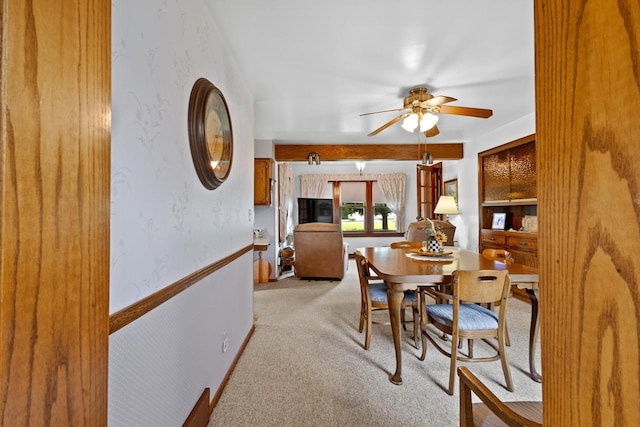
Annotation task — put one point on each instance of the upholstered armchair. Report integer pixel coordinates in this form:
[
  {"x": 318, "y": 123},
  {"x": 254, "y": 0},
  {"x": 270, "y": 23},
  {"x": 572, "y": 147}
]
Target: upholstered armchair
[
  {"x": 416, "y": 230},
  {"x": 320, "y": 251}
]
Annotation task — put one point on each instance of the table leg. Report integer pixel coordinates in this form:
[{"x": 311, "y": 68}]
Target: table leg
[
  {"x": 533, "y": 334},
  {"x": 395, "y": 297}
]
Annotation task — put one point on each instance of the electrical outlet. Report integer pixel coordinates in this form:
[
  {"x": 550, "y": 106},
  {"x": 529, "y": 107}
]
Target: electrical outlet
[
  {"x": 225, "y": 343},
  {"x": 250, "y": 215}
]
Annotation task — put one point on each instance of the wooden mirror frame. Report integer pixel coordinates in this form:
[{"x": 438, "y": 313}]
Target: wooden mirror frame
[{"x": 210, "y": 134}]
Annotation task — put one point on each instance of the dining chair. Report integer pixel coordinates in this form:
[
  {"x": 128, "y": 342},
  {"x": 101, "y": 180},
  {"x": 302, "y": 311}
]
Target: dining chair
[
  {"x": 373, "y": 297},
  {"x": 504, "y": 256},
  {"x": 467, "y": 318},
  {"x": 492, "y": 411},
  {"x": 406, "y": 244}
]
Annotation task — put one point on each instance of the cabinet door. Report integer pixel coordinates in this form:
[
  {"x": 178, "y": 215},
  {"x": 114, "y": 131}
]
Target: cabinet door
[
  {"x": 262, "y": 182},
  {"x": 523, "y": 171},
  {"x": 496, "y": 177}
]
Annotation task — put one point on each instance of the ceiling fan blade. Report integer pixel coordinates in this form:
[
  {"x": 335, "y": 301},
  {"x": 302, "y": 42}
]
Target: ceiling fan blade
[
  {"x": 432, "y": 132},
  {"x": 438, "y": 100},
  {"x": 389, "y": 123},
  {"x": 382, "y": 111},
  {"x": 466, "y": 111}
]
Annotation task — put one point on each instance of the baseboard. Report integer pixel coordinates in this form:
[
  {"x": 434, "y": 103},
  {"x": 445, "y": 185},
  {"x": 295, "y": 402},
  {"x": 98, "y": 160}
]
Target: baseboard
[
  {"x": 199, "y": 416},
  {"x": 225, "y": 380}
]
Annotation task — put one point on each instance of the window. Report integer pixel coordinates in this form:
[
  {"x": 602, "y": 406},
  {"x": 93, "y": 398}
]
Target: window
[{"x": 363, "y": 208}]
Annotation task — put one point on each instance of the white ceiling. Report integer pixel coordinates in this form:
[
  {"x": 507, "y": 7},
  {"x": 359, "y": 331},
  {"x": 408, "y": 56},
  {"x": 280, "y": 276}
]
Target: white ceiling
[{"x": 315, "y": 66}]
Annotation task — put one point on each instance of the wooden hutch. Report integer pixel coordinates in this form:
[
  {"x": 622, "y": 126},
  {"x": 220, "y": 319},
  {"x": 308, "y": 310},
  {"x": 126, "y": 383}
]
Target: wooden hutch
[{"x": 507, "y": 184}]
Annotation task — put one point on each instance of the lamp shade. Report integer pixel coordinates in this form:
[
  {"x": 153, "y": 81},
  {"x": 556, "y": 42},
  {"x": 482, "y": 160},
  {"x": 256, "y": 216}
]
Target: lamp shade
[
  {"x": 428, "y": 121},
  {"x": 446, "y": 205},
  {"x": 410, "y": 123}
]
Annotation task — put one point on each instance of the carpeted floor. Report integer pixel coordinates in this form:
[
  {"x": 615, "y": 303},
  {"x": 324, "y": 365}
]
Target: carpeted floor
[{"x": 305, "y": 365}]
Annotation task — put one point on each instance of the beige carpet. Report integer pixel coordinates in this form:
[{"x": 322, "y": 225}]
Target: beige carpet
[{"x": 305, "y": 365}]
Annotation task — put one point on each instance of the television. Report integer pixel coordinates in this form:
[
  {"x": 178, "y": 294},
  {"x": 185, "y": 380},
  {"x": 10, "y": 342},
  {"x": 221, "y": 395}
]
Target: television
[{"x": 315, "y": 210}]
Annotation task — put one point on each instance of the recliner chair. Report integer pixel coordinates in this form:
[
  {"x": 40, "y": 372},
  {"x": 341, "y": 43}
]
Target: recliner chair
[{"x": 320, "y": 251}]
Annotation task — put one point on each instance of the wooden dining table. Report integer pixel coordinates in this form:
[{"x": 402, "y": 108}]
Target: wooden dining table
[{"x": 402, "y": 271}]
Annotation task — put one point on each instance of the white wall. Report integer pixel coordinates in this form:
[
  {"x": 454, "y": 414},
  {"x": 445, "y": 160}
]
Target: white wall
[{"x": 165, "y": 225}]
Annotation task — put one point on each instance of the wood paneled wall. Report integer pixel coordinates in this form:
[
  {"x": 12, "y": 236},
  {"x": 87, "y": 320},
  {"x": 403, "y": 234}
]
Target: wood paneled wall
[
  {"x": 588, "y": 148},
  {"x": 54, "y": 205}
]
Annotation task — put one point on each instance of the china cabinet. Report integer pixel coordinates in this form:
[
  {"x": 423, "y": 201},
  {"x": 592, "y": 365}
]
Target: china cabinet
[{"x": 507, "y": 183}]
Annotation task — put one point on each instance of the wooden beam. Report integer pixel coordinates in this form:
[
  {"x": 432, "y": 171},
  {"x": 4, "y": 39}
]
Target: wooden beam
[{"x": 300, "y": 152}]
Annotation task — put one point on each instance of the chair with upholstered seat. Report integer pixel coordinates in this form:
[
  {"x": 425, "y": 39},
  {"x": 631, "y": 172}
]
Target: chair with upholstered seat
[
  {"x": 320, "y": 251},
  {"x": 406, "y": 244},
  {"x": 503, "y": 256},
  {"x": 403, "y": 244},
  {"x": 492, "y": 411},
  {"x": 373, "y": 297},
  {"x": 416, "y": 231},
  {"x": 466, "y": 318}
]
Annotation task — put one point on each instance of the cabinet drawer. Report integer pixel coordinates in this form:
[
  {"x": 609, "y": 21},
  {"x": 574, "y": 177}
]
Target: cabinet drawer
[
  {"x": 495, "y": 239},
  {"x": 522, "y": 243}
]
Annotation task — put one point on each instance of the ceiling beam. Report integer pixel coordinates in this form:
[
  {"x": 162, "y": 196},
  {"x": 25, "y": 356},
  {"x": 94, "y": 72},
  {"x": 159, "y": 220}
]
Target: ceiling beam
[{"x": 300, "y": 152}]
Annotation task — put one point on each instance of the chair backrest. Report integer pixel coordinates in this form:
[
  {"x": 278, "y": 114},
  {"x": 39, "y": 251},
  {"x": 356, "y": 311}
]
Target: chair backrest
[
  {"x": 497, "y": 254},
  {"x": 405, "y": 244},
  {"x": 363, "y": 268},
  {"x": 319, "y": 250},
  {"x": 480, "y": 286},
  {"x": 416, "y": 230},
  {"x": 493, "y": 411}
]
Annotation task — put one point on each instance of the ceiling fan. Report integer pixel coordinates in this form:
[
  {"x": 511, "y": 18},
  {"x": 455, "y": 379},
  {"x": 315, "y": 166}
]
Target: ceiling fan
[{"x": 420, "y": 109}]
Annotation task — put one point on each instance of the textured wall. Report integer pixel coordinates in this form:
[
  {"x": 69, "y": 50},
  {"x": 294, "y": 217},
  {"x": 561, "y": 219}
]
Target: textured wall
[{"x": 165, "y": 224}]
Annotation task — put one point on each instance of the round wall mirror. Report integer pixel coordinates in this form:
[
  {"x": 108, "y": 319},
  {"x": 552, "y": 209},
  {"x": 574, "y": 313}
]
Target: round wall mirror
[{"x": 210, "y": 134}]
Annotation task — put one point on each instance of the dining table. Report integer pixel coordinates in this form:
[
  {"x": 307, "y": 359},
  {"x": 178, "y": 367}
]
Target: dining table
[{"x": 404, "y": 269}]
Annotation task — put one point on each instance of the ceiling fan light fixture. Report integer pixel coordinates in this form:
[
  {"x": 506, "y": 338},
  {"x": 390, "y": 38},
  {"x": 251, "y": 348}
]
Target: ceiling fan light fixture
[
  {"x": 410, "y": 123},
  {"x": 419, "y": 108},
  {"x": 428, "y": 121}
]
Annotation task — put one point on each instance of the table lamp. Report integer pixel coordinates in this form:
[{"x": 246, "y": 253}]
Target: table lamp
[{"x": 446, "y": 206}]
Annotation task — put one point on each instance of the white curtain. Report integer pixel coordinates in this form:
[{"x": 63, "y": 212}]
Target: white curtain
[
  {"x": 285, "y": 203},
  {"x": 313, "y": 185},
  {"x": 393, "y": 187}
]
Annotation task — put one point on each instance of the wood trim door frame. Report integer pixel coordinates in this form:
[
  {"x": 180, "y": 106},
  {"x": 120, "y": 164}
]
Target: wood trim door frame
[{"x": 54, "y": 205}]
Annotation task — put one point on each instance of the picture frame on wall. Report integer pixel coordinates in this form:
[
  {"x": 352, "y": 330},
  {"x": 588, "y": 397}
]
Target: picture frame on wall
[
  {"x": 499, "y": 221},
  {"x": 451, "y": 188}
]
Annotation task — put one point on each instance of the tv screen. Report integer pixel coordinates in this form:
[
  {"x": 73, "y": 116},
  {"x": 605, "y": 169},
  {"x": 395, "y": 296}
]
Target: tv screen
[{"x": 315, "y": 210}]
